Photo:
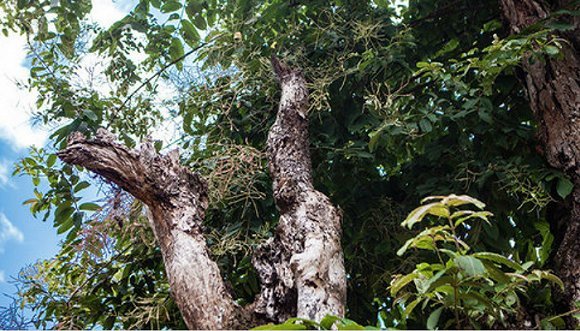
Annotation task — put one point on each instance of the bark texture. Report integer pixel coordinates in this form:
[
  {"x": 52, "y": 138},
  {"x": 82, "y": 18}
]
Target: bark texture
[
  {"x": 301, "y": 267},
  {"x": 303, "y": 264},
  {"x": 553, "y": 89},
  {"x": 177, "y": 199}
]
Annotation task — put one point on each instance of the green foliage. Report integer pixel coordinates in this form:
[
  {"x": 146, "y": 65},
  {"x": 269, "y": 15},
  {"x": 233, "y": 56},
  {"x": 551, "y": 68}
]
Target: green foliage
[
  {"x": 461, "y": 288},
  {"x": 61, "y": 199},
  {"x": 406, "y": 102},
  {"x": 329, "y": 322},
  {"x": 110, "y": 274}
]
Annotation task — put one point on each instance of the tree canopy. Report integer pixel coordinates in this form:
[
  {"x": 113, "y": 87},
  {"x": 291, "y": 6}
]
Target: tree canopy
[{"x": 406, "y": 101}]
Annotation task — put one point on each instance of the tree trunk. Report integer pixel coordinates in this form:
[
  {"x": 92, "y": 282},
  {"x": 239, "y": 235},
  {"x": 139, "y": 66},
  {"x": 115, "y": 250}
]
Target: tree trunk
[
  {"x": 303, "y": 263},
  {"x": 553, "y": 89},
  {"x": 177, "y": 199},
  {"x": 301, "y": 268}
]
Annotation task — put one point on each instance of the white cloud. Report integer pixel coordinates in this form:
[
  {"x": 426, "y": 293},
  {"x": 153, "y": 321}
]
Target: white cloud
[
  {"x": 16, "y": 104},
  {"x": 4, "y": 173},
  {"x": 2, "y": 277},
  {"x": 8, "y": 231},
  {"x": 105, "y": 12}
]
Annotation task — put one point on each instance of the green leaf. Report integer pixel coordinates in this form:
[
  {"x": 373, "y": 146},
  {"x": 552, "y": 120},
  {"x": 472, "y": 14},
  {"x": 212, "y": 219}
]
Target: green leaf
[
  {"x": 564, "y": 187},
  {"x": 499, "y": 259},
  {"x": 401, "y": 282},
  {"x": 285, "y": 326},
  {"x": 328, "y": 320},
  {"x": 374, "y": 139},
  {"x": 460, "y": 200},
  {"x": 464, "y": 215},
  {"x": 90, "y": 206},
  {"x": 433, "y": 319},
  {"x": 65, "y": 226},
  {"x": 449, "y": 47},
  {"x": 418, "y": 214},
  {"x": 425, "y": 125},
  {"x": 492, "y": 25},
  {"x": 63, "y": 214},
  {"x": 478, "y": 298},
  {"x": 552, "y": 50},
  {"x": 194, "y": 8},
  {"x": 170, "y": 6},
  {"x": 411, "y": 306},
  {"x": 199, "y": 22},
  {"x": 81, "y": 186},
  {"x": 471, "y": 265},
  {"x": 495, "y": 273},
  {"x": 90, "y": 115},
  {"x": 549, "y": 276},
  {"x": 189, "y": 33},
  {"x": 346, "y": 324},
  {"x": 427, "y": 284},
  {"x": 51, "y": 160},
  {"x": 561, "y": 26},
  {"x": 176, "y": 52}
]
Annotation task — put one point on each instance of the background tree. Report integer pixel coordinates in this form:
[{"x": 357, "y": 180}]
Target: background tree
[{"x": 404, "y": 103}]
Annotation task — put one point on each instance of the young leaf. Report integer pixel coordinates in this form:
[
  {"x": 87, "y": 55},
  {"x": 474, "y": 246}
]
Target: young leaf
[
  {"x": 459, "y": 200},
  {"x": 418, "y": 214}
]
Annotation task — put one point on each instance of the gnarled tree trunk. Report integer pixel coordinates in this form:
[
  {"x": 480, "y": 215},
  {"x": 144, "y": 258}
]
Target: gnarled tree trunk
[
  {"x": 177, "y": 199},
  {"x": 303, "y": 263},
  {"x": 553, "y": 89},
  {"x": 301, "y": 268}
]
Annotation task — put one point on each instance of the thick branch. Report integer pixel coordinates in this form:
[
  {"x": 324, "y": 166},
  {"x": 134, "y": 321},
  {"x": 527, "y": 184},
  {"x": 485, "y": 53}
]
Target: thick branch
[
  {"x": 177, "y": 199},
  {"x": 303, "y": 263}
]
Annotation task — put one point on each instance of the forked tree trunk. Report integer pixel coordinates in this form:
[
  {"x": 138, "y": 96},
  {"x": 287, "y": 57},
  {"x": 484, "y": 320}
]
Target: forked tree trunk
[
  {"x": 553, "y": 89},
  {"x": 301, "y": 268}
]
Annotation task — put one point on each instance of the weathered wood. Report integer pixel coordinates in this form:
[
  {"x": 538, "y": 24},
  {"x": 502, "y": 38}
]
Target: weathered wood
[
  {"x": 177, "y": 199},
  {"x": 303, "y": 263},
  {"x": 301, "y": 268}
]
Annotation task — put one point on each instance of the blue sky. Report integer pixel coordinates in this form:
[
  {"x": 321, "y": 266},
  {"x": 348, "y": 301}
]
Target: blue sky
[{"x": 24, "y": 239}]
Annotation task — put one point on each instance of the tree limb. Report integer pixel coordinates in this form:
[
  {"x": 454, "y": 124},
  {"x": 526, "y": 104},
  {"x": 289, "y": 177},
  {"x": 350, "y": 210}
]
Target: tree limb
[{"x": 177, "y": 199}]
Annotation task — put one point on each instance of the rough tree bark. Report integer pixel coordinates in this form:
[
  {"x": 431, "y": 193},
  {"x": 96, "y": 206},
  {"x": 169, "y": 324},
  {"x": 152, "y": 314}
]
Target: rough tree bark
[
  {"x": 301, "y": 268},
  {"x": 177, "y": 199},
  {"x": 553, "y": 89},
  {"x": 303, "y": 263}
]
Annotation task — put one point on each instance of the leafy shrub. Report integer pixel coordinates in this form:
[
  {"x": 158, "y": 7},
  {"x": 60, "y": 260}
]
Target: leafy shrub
[{"x": 460, "y": 288}]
